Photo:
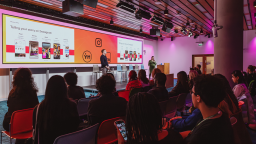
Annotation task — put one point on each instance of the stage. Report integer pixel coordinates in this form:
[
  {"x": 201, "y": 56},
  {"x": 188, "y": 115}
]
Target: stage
[{"x": 92, "y": 88}]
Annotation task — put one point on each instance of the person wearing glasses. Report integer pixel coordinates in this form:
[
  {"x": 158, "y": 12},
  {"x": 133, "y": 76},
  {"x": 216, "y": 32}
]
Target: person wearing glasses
[{"x": 207, "y": 93}]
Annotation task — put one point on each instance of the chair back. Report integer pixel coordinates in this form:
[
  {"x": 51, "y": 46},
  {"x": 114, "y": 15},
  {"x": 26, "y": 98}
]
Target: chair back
[
  {"x": 147, "y": 88},
  {"x": 85, "y": 136},
  {"x": 124, "y": 94},
  {"x": 142, "y": 66},
  {"x": 136, "y": 67},
  {"x": 188, "y": 100},
  {"x": 107, "y": 131},
  {"x": 119, "y": 68},
  {"x": 181, "y": 101},
  {"x": 82, "y": 105},
  {"x": 124, "y": 67},
  {"x": 163, "y": 107},
  {"x": 95, "y": 68},
  {"x": 134, "y": 91},
  {"x": 130, "y": 67},
  {"x": 21, "y": 121},
  {"x": 171, "y": 107}
]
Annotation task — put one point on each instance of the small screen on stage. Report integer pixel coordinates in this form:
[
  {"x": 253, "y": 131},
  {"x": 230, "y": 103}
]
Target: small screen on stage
[{"x": 36, "y": 41}]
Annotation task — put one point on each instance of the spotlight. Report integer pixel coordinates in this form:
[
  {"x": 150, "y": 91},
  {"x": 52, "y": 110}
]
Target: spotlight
[
  {"x": 206, "y": 35},
  {"x": 209, "y": 35},
  {"x": 167, "y": 27},
  {"x": 254, "y": 15},
  {"x": 187, "y": 24},
  {"x": 161, "y": 36},
  {"x": 196, "y": 35},
  {"x": 172, "y": 38},
  {"x": 201, "y": 32},
  {"x": 111, "y": 22},
  {"x": 141, "y": 30},
  {"x": 162, "y": 39},
  {"x": 183, "y": 30},
  {"x": 195, "y": 28},
  {"x": 254, "y": 3},
  {"x": 176, "y": 31},
  {"x": 166, "y": 11},
  {"x": 190, "y": 34}
]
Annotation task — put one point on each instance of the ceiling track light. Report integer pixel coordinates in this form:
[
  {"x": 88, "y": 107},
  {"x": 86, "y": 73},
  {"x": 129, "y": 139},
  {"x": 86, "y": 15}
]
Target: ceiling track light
[
  {"x": 111, "y": 22},
  {"x": 201, "y": 32},
  {"x": 166, "y": 11},
  {"x": 254, "y": 3},
  {"x": 141, "y": 29},
  {"x": 187, "y": 24},
  {"x": 176, "y": 31}
]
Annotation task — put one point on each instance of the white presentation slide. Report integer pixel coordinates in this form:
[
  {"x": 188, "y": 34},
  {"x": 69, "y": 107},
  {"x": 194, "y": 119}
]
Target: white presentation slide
[
  {"x": 130, "y": 51},
  {"x": 38, "y": 42}
]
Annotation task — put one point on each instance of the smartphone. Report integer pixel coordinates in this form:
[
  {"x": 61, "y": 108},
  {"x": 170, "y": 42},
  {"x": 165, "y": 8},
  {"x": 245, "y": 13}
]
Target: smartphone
[
  {"x": 20, "y": 48},
  {"x": 121, "y": 127},
  {"x": 46, "y": 50},
  {"x": 56, "y": 52},
  {"x": 33, "y": 49}
]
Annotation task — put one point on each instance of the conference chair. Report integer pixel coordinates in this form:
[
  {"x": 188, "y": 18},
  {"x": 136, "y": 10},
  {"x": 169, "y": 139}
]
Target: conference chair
[
  {"x": 124, "y": 68},
  {"x": 85, "y": 136},
  {"x": 134, "y": 91},
  {"x": 21, "y": 125},
  {"x": 130, "y": 67},
  {"x": 171, "y": 107},
  {"x": 162, "y": 105},
  {"x": 137, "y": 68},
  {"x": 95, "y": 71},
  {"x": 82, "y": 105},
  {"x": 107, "y": 131},
  {"x": 119, "y": 69},
  {"x": 142, "y": 67},
  {"x": 124, "y": 94},
  {"x": 181, "y": 102}
]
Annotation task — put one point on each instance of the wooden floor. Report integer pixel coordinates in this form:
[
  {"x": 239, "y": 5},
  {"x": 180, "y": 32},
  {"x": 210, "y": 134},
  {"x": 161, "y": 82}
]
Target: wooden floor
[{"x": 119, "y": 87}]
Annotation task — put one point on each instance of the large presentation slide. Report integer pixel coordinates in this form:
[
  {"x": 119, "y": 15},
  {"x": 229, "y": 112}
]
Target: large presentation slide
[{"x": 33, "y": 40}]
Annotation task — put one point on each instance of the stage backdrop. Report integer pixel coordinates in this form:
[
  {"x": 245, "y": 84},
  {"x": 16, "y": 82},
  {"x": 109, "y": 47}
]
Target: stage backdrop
[{"x": 29, "y": 41}]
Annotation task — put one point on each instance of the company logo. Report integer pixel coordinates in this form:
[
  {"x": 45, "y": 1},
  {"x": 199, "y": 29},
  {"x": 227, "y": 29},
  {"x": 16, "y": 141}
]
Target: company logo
[
  {"x": 98, "y": 42},
  {"x": 87, "y": 56}
]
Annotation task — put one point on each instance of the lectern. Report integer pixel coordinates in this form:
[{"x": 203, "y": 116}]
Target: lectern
[{"x": 164, "y": 68}]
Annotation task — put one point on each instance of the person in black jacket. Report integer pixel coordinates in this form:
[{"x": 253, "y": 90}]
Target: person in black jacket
[
  {"x": 22, "y": 96},
  {"x": 57, "y": 115},
  {"x": 108, "y": 105},
  {"x": 182, "y": 85},
  {"x": 74, "y": 92},
  {"x": 160, "y": 91},
  {"x": 104, "y": 61}
]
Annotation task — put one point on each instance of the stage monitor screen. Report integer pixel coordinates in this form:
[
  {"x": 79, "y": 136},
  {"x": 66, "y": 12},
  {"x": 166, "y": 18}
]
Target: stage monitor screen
[{"x": 32, "y": 41}]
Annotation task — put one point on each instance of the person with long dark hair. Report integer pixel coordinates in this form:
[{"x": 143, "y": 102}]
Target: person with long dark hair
[
  {"x": 56, "y": 115},
  {"x": 182, "y": 85},
  {"x": 142, "y": 76},
  {"x": 242, "y": 94},
  {"x": 144, "y": 122},
  {"x": 133, "y": 81},
  {"x": 22, "y": 96},
  {"x": 154, "y": 72},
  {"x": 160, "y": 91}
]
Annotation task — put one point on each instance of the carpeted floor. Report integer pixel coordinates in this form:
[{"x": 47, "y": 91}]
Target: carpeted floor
[{"x": 4, "y": 108}]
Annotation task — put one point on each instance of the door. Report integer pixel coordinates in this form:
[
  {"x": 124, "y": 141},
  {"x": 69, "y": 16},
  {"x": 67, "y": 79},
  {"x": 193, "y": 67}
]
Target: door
[{"x": 206, "y": 62}]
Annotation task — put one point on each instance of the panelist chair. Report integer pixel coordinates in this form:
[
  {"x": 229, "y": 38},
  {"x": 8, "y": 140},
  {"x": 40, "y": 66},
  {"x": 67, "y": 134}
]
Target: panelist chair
[
  {"x": 119, "y": 69},
  {"x": 124, "y": 68},
  {"x": 136, "y": 68},
  {"x": 95, "y": 71}
]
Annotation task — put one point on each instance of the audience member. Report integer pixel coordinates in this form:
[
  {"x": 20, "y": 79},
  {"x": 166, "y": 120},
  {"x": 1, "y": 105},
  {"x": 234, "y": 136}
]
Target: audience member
[
  {"x": 192, "y": 74},
  {"x": 74, "y": 92},
  {"x": 242, "y": 94},
  {"x": 142, "y": 76},
  {"x": 56, "y": 115},
  {"x": 182, "y": 85},
  {"x": 108, "y": 105},
  {"x": 154, "y": 72},
  {"x": 215, "y": 127},
  {"x": 22, "y": 96},
  {"x": 199, "y": 69},
  {"x": 250, "y": 74},
  {"x": 230, "y": 103},
  {"x": 160, "y": 91},
  {"x": 133, "y": 81},
  {"x": 187, "y": 122},
  {"x": 144, "y": 123}
]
